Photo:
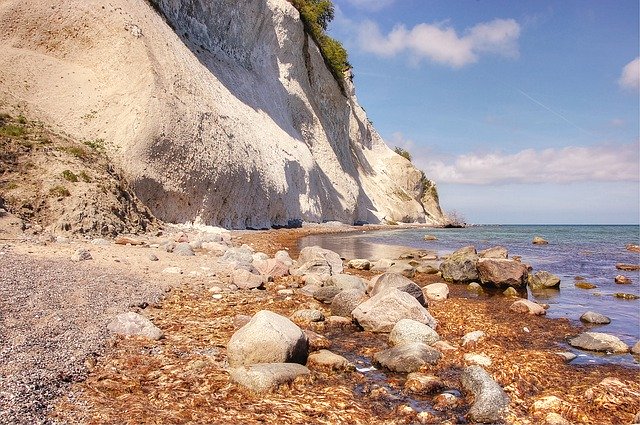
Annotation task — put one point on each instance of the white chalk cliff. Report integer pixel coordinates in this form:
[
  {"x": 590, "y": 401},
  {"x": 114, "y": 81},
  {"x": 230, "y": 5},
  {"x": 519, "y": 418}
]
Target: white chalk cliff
[{"x": 218, "y": 111}]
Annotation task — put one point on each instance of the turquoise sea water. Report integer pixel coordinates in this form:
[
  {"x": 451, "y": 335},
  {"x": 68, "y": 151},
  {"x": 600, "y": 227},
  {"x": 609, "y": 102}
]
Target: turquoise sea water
[{"x": 588, "y": 251}]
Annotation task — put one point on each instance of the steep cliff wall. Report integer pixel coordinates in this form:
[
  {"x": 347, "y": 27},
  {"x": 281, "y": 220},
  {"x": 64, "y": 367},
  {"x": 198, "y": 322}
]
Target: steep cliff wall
[{"x": 219, "y": 111}]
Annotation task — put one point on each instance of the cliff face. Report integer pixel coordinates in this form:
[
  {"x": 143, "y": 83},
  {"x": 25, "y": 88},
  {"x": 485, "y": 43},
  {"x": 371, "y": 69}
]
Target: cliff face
[{"x": 219, "y": 111}]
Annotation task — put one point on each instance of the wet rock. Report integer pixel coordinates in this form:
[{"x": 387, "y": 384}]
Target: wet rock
[
  {"x": 597, "y": 341},
  {"x": 473, "y": 336},
  {"x": 314, "y": 259},
  {"x": 271, "y": 267},
  {"x": 421, "y": 383},
  {"x": 633, "y": 248},
  {"x": 585, "y": 285},
  {"x": 262, "y": 377},
  {"x": 627, "y": 267},
  {"x": 316, "y": 341},
  {"x": 494, "y": 252},
  {"x": 172, "y": 270},
  {"x": 436, "y": 291},
  {"x": 388, "y": 281},
  {"x": 134, "y": 324},
  {"x": 622, "y": 280},
  {"x": 510, "y": 292},
  {"x": 404, "y": 269},
  {"x": 346, "y": 281},
  {"x": 308, "y": 315},
  {"x": 407, "y": 330},
  {"x": 595, "y": 318},
  {"x": 460, "y": 266},
  {"x": 445, "y": 401},
  {"x": 325, "y": 359},
  {"x": 567, "y": 355},
  {"x": 407, "y": 357},
  {"x": 381, "y": 312},
  {"x": 267, "y": 338},
  {"x": 244, "y": 279},
  {"x": 478, "y": 359},
  {"x": 543, "y": 279},
  {"x": 326, "y": 294},
  {"x": 624, "y": 296},
  {"x": 475, "y": 287},
  {"x": 636, "y": 348},
  {"x": 539, "y": 240},
  {"x": 346, "y": 301},
  {"x": 501, "y": 273},
  {"x": 528, "y": 307},
  {"x": 359, "y": 264},
  {"x": 81, "y": 254},
  {"x": 430, "y": 238},
  {"x": 491, "y": 402},
  {"x": 183, "y": 249}
]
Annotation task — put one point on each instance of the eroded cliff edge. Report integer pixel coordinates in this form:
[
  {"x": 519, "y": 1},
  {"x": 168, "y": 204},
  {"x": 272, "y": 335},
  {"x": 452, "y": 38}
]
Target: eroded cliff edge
[{"x": 218, "y": 111}]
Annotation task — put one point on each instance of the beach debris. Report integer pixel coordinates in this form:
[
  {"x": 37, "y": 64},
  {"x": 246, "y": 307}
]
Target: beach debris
[
  {"x": 389, "y": 280},
  {"x": 81, "y": 254},
  {"x": 595, "y": 318},
  {"x": 422, "y": 383},
  {"x": 314, "y": 259},
  {"x": 408, "y": 357},
  {"x": 622, "y": 280},
  {"x": 478, "y": 359},
  {"x": 268, "y": 338},
  {"x": 543, "y": 279},
  {"x": 494, "y": 252},
  {"x": 526, "y": 306},
  {"x": 598, "y": 341},
  {"x": 627, "y": 267},
  {"x": 359, "y": 264},
  {"x": 501, "y": 272},
  {"x": 381, "y": 312},
  {"x": 460, "y": 266},
  {"x": 346, "y": 301},
  {"x": 408, "y": 330},
  {"x": 436, "y": 291},
  {"x": 491, "y": 402},
  {"x": 325, "y": 359},
  {"x": 473, "y": 336},
  {"x": 262, "y": 377},
  {"x": 539, "y": 240},
  {"x": 134, "y": 324}
]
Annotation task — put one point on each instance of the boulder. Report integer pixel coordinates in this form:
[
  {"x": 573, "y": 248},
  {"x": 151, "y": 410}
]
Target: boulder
[
  {"x": 346, "y": 301},
  {"x": 382, "y": 265},
  {"x": 494, "y": 252},
  {"x": 543, "y": 280},
  {"x": 528, "y": 307},
  {"x": 407, "y": 330},
  {"x": 473, "y": 336},
  {"x": 475, "y": 287},
  {"x": 325, "y": 359},
  {"x": 627, "y": 267},
  {"x": 478, "y": 359},
  {"x": 427, "y": 269},
  {"x": 539, "y": 240},
  {"x": 237, "y": 256},
  {"x": 636, "y": 348},
  {"x": 134, "y": 324},
  {"x": 595, "y": 318},
  {"x": 346, "y": 281},
  {"x": 81, "y": 254},
  {"x": 184, "y": 249},
  {"x": 597, "y": 341},
  {"x": 510, "y": 292},
  {"x": 460, "y": 266},
  {"x": 430, "y": 238},
  {"x": 490, "y": 402},
  {"x": 421, "y": 383},
  {"x": 267, "y": 338},
  {"x": 359, "y": 264},
  {"x": 314, "y": 259},
  {"x": 284, "y": 258},
  {"x": 244, "y": 279},
  {"x": 381, "y": 312},
  {"x": 407, "y": 357},
  {"x": 500, "y": 272},
  {"x": 307, "y": 315},
  {"x": 388, "y": 281},
  {"x": 326, "y": 294},
  {"x": 436, "y": 291},
  {"x": 622, "y": 280},
  {"x": 262, "y": 377},
  {"x": 402, "y": 268},
  {"x": 271, "y": 267},
  {"x": 316, "y": 341}
]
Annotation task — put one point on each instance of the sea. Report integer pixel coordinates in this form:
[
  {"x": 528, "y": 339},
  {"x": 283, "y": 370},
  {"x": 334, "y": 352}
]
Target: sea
[{"x": 588, "y": 252}]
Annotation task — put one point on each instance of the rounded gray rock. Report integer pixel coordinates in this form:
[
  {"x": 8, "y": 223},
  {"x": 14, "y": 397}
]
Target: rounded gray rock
[
  {"x": 491, "y": 402},
  {"x": 407, "y": 357},
  {"x": 595, "y": 318},
  {"x": 263, "y": 377},
  {"x": 134, "y": 324},
  {"x": 597, "y": 341},
  {"x": 345, "y": 302},
  {"x": 389, "y": 280},
  {"x": 184, "y": 249},
  {"x": 407, "y": 330},
  {"x": 381, "y": 312}
]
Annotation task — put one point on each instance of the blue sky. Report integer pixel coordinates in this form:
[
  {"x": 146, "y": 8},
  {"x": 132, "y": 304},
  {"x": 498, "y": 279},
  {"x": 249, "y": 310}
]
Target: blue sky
[{"x": 520, "y": 111}]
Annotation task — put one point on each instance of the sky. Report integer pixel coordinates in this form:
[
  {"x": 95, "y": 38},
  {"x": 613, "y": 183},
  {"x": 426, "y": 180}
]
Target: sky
[{"x": 522, "y": 112}]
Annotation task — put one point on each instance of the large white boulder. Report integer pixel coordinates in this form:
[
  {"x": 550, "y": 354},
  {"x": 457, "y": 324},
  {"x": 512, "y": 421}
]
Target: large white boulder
[{"x": 381, "y": 312}]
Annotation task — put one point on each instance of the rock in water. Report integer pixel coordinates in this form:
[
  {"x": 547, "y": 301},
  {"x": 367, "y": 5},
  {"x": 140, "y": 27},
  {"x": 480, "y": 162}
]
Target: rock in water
[
  {"x": 495, "y": 252},
  {"x": 597, "y": 341},
  {"x": 325, "y": 359},
  {"x": 543, "y": 279},
  {"x": 134, "y": 324},
  {"x": 408, "y": 357},
  {"x": 460, "y": 266},
  {"x": 262, "y": 377},
  {"x": 381, "y": 312},
  {"x": 539, "y": 240},
  {"x": 501, "y": 273},
  {"x": 595, "y": 318},
  {"x": 491, "y": 402},
  {"x": 268, "y": 338}
]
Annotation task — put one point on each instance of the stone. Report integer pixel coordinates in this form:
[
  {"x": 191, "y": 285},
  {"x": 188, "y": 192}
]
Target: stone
[
  {"x": 259, "y": 256},
  {"x": 539, "y": 240},
  {"x": 238, "y": 256},
  {"x": 421, "y": 383},
  {"x": 510, "y": 292},
  {"x": 585, "y": 285},
  {"x": 346, "y": 301},
  {"x": 337, "y": 322},
  {"x": 501, "y": 273},
  {"x": 81, "y": 254},
  {"x": 268, "y": 338},
  {"x": 475, "y": 287},
  {"x": 430, "y": 238},
  {"x": 309, "y": 290},
  {"x": 402, "y": 268},
  {"x": 389, "y": 280},
  {"x": 528, "y": 307},
  {"x": 244, "y": 279},
  {"x": 184, "y": 249},
  {"x": 316, "y": 341},
  {"x": 315, "y": 279},
  {"x": 346, "y": 281},
  {"x": 490, "y": 402},
  {"x": 382, "y": 265},
  {"x": 553, "y": 418},
  {"x": 436, "y": 291},
  {"x": 172, "y": 270},
  {"x": 359, "y": 264},
  {"x": 478, "y": 359},
  {"x": 134, "y": 324},
  {"x": 283, "y": 257},
  {"x": 636, "y": 348},
  {"x": 381, "y": 312},
  {"x": 152, "y": 257},
  {"x": 262, "y": 377},
  {"x": 460, "y": 266},
  {"x": 314, "y": 259},
  {"x": 622, "y": 280},
  {"x": 407, "y": 357},
  {"x": 473, "y": 336},
  {"x": 407, "y": 330},
  {"x": 566, "y": 355},
  {"x": 325, "y": 359},
  {"x": 597, "y": 341},
  {"x": 624, "y": 296},
  {"x": 494, "y": 252},
  {"x": 632, "y": 247},
  {"x": 100, "y": 241},
  {"x": 543, "y": 280},
  {"x": 326, "y": 294},
  {"x": 308, "y": 315},
  {"x": 443, "y": 346},
  {"x": 627, "y": 267},
  {"x": 126, "y": 240},
  {"x": 427, "y": 269},
  {"x": 271, "y": 267},
  {"x": 595, "y": 318},
  {"x": 548, "y": 403}
]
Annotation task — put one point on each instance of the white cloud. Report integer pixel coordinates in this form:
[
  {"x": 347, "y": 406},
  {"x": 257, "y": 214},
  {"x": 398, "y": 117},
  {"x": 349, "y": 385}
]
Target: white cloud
[
  {"x": 372, "y": 5},
  {"x": 563, "y": 165},
  {"x": 442, "y": 44},
  {"x": 617, "y": 122},
  {"x": 630, "y": 78}
]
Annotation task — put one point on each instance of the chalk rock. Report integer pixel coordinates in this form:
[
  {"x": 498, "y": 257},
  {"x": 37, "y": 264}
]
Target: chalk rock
[
  {"x": 543, "y": 279},
  {"x": 134, "y": 324},
  {"x": 436, "y": 291},
  {"x": 407, "y": 330},
  {"x": 267, "y": 338},
  {"x": 491, "y": 402},
  {"x": 407, "y": 357},
  {"x": 345, "y": 302},
  {"x": 460, "y": 266},
  {"x": 314, "y": 259},
  {"x": 262, "y": 377},
  {"x": 389, "y": 280},
  {"x": 595, "y": 318},
  {"x": 597, "y": 341},
  {"x": 381, "y": 312},
  {"x": 359, "y": 264},
  {"x": 500, "y": 272}
]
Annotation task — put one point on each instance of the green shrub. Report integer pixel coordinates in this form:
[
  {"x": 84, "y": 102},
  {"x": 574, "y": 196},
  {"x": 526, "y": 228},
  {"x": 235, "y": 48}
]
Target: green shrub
[
  {"x": 402, "y": 152},
  {"x": 10, "y": 130},
  {"x": 69, "y": 176},
  {"x": 97, "y": 144},
  {"x": 59, "y": 191},
  {"x": 76, "y": 151},
  {"x": 84, "y": 177}
]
